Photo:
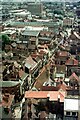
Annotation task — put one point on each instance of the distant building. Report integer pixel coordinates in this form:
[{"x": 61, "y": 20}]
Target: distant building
[
  {"x": 23, "y": 14},
  {"x": 35, "y": 8},
  {"x": 78, "y": 13},
  {"x": 74, "y": 38},
  {"x": 68, "y": 22},
  {"x": 10, "y": 33},
  {"x": 31, "y": 68},
  {"x": 30, "y": 38}
]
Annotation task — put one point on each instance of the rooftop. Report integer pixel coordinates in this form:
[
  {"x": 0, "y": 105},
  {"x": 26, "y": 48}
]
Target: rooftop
[
  {"x": 62, "y": 54},
  {"x": 30, "y": 63},
  {"x": 53, "y": 95},
  {"x": 30, "y": 33},
  {"x": 74, "y": 76},
  {"x": 8, "y": 32},
  {"x": 7, "y": 100},
  {"x": 8, "y": 83},
  {"x": 71, "y": 61},
  {"x": 48, "y": 24}
]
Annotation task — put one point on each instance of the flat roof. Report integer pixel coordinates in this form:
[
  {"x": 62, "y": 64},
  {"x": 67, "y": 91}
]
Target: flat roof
[
  {"x": 30, "y": 33},
  {"x": 35, "y": 28},
  {"x": 49, "y": 24},
  {"x": 19, "y": 10},
  {"x": 8, "y": 32},
  {"x": 26, "y": 23},
  {"x": 23, "y": 13}
]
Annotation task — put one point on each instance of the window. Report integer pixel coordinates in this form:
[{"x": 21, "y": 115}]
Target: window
[
  {"x": 73, "y": 113},
  {"x": 6, "y": 91},
  {"x": 32, "y": 42},
  {"x": 67, "y": 113}
]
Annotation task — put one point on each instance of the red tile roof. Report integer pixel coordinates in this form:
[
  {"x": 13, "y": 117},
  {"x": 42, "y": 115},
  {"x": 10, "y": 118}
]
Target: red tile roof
[
  {"x": 38, "y": 84},
  {"x": 62, "y": 86},
  {"x": 36, "y": 94},
  {"x": 62, "y": 54},
  {"x": 74, "y": 76},
  {"x": 40, "y": 54},
  {"x": 43, "y": 51},
  {"x": 42, "y": 77},
  {"x": 53, "y": 95},
  {"x": 72, "y": 61},
  {"x": 21, "y": 72},
  {"x": 7, "y": 100}
]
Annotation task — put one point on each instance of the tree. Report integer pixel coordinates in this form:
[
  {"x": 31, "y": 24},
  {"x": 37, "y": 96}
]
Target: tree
[
  {"x": 5, "y": 40},
  {"x": 59, "y": 12}
]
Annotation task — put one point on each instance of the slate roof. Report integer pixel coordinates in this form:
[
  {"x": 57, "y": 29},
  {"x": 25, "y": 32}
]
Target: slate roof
[{"x": 30, "y": 33}]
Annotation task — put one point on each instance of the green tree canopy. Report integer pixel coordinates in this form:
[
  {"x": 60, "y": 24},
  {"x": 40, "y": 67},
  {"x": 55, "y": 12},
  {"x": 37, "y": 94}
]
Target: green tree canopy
[
  {"x": 59, "y": 12},
  {"x": 5, "y": 40}
]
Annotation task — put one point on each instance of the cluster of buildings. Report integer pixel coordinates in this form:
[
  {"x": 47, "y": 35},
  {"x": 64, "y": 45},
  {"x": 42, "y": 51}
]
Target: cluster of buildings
[{"x": 40, "y": 61}]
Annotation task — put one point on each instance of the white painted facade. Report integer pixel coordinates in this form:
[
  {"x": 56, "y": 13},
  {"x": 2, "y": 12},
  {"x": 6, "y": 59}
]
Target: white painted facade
[{"x": 72, "y": 104}]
